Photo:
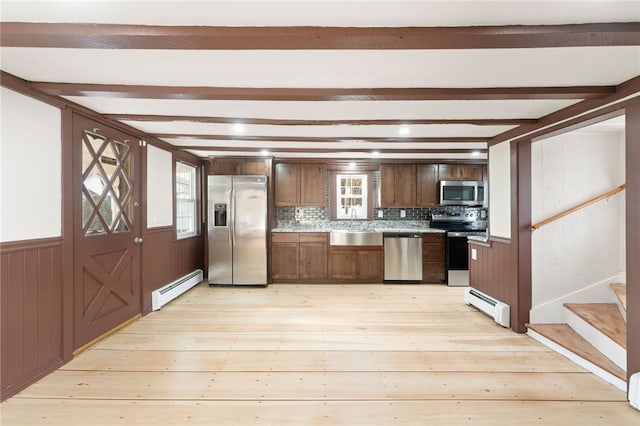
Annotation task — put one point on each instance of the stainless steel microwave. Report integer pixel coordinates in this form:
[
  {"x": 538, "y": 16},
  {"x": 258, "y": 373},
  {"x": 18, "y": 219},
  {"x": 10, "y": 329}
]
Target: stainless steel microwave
[{"x": 461, "y": 193}]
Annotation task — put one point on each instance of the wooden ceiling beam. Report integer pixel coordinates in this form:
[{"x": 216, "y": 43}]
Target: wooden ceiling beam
[
  {"x": 350, "y": 150},
  {"x": 341, "y": 122},
  {"x": 572, "y": 115},
  {"x": 243, "y": 138},
  {"x": 114, "y": 36},
  {"x": 320, "y": 94}
]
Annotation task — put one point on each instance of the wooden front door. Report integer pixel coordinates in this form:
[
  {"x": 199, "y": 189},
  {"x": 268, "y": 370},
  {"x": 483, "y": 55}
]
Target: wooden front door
[{"x": 106, "y": 169}]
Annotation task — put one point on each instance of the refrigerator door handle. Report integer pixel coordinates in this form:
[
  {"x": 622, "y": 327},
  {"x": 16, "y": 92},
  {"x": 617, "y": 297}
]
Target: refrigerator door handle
[
  {"x": 230, "y": 218},
  {"x": 233, "y": 217}
]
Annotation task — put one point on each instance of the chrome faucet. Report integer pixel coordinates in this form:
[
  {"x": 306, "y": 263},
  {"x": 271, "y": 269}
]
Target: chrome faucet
[{"x": 354, "y": 215}]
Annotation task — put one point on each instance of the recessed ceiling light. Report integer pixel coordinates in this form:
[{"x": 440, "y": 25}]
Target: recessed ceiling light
[
  {"x": 265, "y": 152},
  {"x": 475, "y": 154},
  {"x": 375, "y": 153},
  {"x": 352, "y": 164},
  {"x": 238, "y": 128},
  {"x": 404, "y": 130}
]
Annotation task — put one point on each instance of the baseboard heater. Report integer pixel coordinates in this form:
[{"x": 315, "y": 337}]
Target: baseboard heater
[
  {"x": 166, "y": 294},
  {"x": 499, "y": 311}
]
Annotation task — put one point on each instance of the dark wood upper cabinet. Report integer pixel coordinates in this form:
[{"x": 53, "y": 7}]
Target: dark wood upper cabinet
[
  {"x": 313, "y": 184},
  {"x": 397, "y": 185},
  {"x": 239, "y": 166},
  {"x": 427, "y": 185},
  {"x": 287, "y": 184},
  {"x": 461, "y": 172},
  {"x": 300, "y": 184}
]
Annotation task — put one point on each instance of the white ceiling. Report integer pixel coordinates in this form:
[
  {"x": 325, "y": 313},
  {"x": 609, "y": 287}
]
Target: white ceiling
[
  {"x": 331, "y": 69},
  {"x": 353, "y": 13}
]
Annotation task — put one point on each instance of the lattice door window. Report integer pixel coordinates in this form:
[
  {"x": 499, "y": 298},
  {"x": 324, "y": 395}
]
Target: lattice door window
[{"x": 107, "y": 182}]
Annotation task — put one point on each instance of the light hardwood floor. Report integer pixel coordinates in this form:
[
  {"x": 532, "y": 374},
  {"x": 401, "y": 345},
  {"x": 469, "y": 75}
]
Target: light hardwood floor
[{"x": 319, "y": 355}]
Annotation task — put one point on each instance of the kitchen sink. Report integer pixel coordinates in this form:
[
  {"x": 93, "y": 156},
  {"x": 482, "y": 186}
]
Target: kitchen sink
[{"x": 347, "y": 237}]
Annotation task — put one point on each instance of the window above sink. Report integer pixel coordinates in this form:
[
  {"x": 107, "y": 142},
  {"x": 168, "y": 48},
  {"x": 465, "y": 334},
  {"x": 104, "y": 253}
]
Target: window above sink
[
  {"x": 351, "y": 193},
  {"x": 351, "y": 196}
]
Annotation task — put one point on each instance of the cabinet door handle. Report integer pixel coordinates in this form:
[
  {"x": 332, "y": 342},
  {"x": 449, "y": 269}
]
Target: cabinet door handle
[{"x": 138, "y": 240}]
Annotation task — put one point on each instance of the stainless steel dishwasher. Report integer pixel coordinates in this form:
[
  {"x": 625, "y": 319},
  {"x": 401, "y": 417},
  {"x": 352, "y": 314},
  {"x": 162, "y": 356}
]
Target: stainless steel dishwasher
[{"x": 402, "y": 257}]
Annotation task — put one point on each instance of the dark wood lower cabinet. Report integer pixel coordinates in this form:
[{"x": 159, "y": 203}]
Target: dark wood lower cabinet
[
  {"x": 298, "y": 256},
  {"x": 356, "y": 264},
  {"x": 342, "y": 265},
  {"x": 284, "y": 256},
  {"x": 370, "y": 266},
  {"x": 433, "y": 258},
  {"x": 307, "y": 257},
  {"x": 313, "y": 255}
]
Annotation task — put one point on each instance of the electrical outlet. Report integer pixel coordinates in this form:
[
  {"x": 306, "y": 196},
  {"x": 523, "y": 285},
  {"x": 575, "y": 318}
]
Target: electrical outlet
[
  {"x": 403, "y": 213},
  {"x": 474, "y": 254},
  {"x": 380, "y": 214}
]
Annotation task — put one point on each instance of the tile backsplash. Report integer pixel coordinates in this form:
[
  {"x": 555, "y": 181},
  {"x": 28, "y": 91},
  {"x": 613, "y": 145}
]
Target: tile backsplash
[{"x": 317, "y": 215}]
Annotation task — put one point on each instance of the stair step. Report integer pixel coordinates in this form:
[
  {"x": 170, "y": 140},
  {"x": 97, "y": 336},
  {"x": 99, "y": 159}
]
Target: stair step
[
  {"x": 565, "y": 336},
  {"x": 621, "y": 293},
  {"x": 605, "y": 317}
]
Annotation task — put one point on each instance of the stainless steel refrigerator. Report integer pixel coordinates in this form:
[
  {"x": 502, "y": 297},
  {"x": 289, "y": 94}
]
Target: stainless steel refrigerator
[{"x": 237, "y": 213}]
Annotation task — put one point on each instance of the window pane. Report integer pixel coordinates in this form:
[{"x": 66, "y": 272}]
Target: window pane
[
  {"x": 107, "y": 202},
  {"x": 186, "y": 214},
  {"x": 351, "y": 196}
]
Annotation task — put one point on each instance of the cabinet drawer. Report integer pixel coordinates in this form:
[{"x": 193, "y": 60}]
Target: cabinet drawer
[
  {"x": 285, "y": 237},
  {"x": 433, "y": 237},
  {"x": 314, "y": 237}
]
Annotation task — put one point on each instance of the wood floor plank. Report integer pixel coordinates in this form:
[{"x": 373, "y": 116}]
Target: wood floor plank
[
  {"x": 302, "y": 326},
  {"x": 321, "y": 413},
  {"x": 323, "y": 361},
  {"x": 322, "y": 386},
  {"x": 319, "y": 355},
  {"x": 314, "y": 317},
  {"x": 320, "y": 341}
]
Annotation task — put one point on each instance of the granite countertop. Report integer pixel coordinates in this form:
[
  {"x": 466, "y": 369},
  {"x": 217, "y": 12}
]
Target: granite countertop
[
  {"x": 362, "y": 226},
  {"x": 481, "y": 239}
]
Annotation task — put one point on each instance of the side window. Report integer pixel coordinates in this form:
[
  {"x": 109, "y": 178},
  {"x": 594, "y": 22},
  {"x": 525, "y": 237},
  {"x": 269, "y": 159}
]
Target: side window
[
  {"x": 186, "y": 202},
  {"x": 351, "y": 196}
]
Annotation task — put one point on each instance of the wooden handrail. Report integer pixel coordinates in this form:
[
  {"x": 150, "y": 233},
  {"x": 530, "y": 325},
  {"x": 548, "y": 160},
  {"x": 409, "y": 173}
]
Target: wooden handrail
[{"x": 578, "y": 207}]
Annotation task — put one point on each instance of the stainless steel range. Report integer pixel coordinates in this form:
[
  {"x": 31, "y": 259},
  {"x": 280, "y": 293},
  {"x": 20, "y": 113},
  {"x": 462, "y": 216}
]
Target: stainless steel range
[{"x": 459, "y": 226}]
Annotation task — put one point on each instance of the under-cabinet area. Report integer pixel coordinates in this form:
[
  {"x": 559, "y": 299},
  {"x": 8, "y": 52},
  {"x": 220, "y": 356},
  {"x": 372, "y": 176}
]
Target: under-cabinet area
[{"x": 316, "y": 257}]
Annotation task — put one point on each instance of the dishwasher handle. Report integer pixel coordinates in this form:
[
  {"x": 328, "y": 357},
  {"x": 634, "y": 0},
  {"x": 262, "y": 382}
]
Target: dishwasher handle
[{"x": 401, "y": 235}]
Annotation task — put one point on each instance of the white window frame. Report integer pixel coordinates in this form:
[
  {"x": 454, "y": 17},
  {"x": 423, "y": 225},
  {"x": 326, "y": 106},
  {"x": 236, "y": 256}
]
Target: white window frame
[
  {"x": 359, "y": 213},
  {"x": 186, "y": 201}
]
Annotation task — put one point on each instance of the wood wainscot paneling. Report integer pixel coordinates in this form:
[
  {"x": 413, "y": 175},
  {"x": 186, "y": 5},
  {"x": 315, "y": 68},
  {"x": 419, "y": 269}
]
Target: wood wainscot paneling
[
  {"x": 32, "y": 311},
  {"x": 166, "y": 259},
  {"x": 492, "y": 269},
  {"x": 502, "y": 268}
]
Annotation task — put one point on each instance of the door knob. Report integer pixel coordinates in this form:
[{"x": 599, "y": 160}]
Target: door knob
[{"x": 138, "y": 240}]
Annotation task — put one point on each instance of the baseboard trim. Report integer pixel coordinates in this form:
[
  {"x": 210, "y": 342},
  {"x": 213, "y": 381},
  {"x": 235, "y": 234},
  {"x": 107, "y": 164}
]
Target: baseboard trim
[{"x": 105, "y": 335}]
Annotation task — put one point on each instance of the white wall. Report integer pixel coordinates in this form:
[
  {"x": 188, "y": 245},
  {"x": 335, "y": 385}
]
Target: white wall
[
  {"x": 575, "y": 258},
  {"x": 30, "y": 163},
  {"x": 159, "y": 187},
  {"x": 500, "y": 190}
]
